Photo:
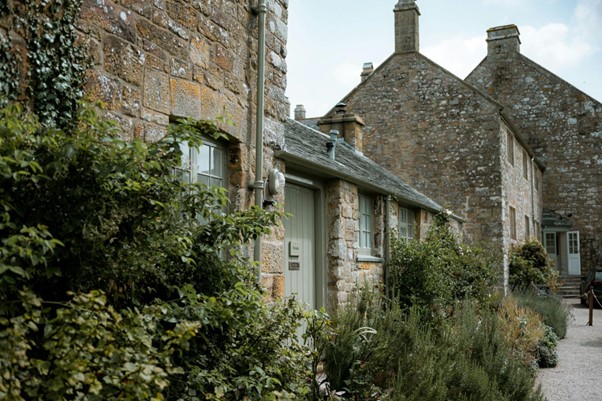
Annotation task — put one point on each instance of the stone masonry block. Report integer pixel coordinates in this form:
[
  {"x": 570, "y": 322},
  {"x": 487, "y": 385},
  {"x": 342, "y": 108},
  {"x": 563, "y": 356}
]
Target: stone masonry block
[
  {"x": 157, "y": 91},
  {"x": 185, "y": 98},
  {"x": 123, "y": 59}
]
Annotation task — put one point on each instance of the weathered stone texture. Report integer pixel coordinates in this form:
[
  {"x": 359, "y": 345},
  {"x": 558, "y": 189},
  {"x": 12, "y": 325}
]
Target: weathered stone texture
[
  {"x": 564, "y": 127},
  {"x": 438, "y": 134}
]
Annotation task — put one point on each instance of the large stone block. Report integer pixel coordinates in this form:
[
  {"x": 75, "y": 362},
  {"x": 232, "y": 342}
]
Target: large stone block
[
  {"x": 123, "y": 59},
  {"x": 185, "y": 98},
  {"x": 157, "y": 91},
  {"x": 110, "y": 17}
]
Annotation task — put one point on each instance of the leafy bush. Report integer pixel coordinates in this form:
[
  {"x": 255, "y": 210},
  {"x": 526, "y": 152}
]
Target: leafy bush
[
  {"x": 529, "y": 265},
  {"x": 435, "y": 273},
  {"x": 83, "y": 212},
  {"x": 547, "y": 357},
  {"x": 551, "y": 309}
]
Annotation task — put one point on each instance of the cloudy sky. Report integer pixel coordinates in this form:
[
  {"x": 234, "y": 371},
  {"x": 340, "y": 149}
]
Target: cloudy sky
[{"x": 329, "y": 40}]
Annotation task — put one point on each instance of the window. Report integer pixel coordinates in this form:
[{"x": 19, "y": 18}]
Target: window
[
  {"x": 538, "y": 230},
  {"x": 510, "y": 147},
  {"x": 525, "y": 164},
  {"x": 527, "y": 229},
  {"x": 364, "y": 233},
  {"x": 205, "y": 164},
  {"x": 550, "y": 240},
  {"x": 512, "y": 223},
  {"x": 407, "y": 223}
]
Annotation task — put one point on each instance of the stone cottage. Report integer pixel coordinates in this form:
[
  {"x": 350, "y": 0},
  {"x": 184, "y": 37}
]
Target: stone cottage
[
  {"x": 154, "y": 62},
  {"x": 449, "y": 140},
  {"x": 563, "y": 126}
]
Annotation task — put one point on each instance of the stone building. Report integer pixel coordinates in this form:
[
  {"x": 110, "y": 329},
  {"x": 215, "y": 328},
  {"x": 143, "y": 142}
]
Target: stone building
[
  {"x": 563, "y": 125},
  {"x": 449, "y": 140},
  {"x": 154, "y": 62},
  {"x": 344, "y": 207}
]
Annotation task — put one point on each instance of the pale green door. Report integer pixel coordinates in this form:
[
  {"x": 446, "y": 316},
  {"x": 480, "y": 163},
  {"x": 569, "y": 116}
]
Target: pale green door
[{"x": 300, "y": 247}]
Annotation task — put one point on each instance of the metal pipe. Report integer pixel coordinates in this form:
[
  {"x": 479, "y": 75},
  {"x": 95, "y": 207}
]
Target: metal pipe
[
  {"x": 387, "y": 244},
  {"x": 259, "y": 184}
]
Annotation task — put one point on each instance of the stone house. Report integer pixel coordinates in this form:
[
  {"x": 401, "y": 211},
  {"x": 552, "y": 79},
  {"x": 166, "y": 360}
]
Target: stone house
[
  {"x": 344, "y": 207},
  {"x": 154, "y": 62},
  {"x": 449, "y": 140},
  {"x": 563, "y": 126}
]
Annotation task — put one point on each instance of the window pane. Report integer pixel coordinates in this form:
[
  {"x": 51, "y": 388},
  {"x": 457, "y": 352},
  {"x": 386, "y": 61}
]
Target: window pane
[
  {"x": 217, "y": 162},
  {"x": 203, "y": 160},
  {"x": 186, "y": 163}
]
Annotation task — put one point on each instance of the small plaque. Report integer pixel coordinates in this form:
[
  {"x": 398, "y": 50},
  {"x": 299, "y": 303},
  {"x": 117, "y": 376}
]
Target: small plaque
[
  {"x": 294, "y": 266},
  {"x": 294, "y": 248}
]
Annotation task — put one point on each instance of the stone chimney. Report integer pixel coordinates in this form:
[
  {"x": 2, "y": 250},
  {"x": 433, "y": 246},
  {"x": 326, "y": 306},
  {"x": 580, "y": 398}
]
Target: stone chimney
[
  {"x": 368, "y": 69},
  {"x": 406, "y": 27},
  {"x": 503, "y": 40},
  {"x": 300, "y": 112},
  {"x": 349, "y": 125}
]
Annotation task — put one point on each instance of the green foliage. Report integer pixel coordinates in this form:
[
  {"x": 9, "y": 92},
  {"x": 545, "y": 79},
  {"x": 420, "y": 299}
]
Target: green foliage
[
  {"x": 551, "y": 309},
  {"x": 529, "y": 265},
  {"x": 84, "y": 212},
  {"x": 405, "y": 358},
  {"x": 546, "y": 349},
  {"x": 9, "y": 73},
  {"x": 435, "y": 273},
  {"x": 84, "y": 349}
]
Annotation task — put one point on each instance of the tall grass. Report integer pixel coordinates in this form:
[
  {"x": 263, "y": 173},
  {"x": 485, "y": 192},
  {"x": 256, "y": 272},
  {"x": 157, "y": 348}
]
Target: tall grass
[{"x": 552, "y": 310}]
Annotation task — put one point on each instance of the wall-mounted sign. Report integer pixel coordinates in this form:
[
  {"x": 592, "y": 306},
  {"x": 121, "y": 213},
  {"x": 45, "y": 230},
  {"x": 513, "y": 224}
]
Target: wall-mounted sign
[
  {"x": 294, "y": 266},
  {"x": 294, "y": 248}
]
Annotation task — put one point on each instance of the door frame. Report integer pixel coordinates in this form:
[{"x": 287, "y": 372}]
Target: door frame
[
  {"x": 320, "y": 226},
  {"x": 569, "y": 253}
]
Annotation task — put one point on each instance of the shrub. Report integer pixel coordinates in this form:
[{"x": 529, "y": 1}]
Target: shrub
[
  {"x": 547, "y": 357},
  {"x": 523, "y": 328},
  {"x": 551, "y": 309},
  {"x": 435, "y": 273},
  {"x": 529, "y": 265},
  {"x": 83, "y": 211}
]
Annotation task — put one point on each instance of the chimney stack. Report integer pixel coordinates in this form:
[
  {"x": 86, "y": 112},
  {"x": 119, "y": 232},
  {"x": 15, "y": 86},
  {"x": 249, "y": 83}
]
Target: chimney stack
[
  {"x": 300, "y": 112},
  {"x": 503, "y": 40},
  {"x": 349, "y": 125},
  {"x": 368, "y": 69},
  {"x": 406, "y": 27}
]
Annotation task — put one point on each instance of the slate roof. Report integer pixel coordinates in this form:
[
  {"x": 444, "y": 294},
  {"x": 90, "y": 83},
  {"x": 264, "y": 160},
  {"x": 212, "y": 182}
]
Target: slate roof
[
  {"x": 306, "y": 148},
  {"x": 551, "y": 219}
]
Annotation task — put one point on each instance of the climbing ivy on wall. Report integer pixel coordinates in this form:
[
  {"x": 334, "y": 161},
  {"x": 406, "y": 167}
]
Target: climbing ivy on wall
[{"x": 56, "y": 61}]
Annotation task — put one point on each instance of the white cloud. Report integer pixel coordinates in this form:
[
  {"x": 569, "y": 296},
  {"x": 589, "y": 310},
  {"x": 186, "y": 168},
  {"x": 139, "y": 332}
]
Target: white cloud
[
  {"x": 588, "y": 19},
  {"x": 554, "y": 45},
  {"x": 458, "y": 55}
]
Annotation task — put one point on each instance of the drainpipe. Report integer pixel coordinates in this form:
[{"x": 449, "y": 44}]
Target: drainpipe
[
  {"x": 387, "y": 244},
  {"x": 533, "y": 198},
  {"x": 259, "y": 184}
]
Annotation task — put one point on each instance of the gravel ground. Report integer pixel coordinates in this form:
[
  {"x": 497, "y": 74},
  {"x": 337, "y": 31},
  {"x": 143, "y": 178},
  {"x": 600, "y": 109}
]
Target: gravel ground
[{"x": 578, "y": 376}]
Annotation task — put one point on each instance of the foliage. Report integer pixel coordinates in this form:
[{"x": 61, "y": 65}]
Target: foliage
[
  {"x": 523, "y": 328},
  {"x": 529, "y": 265},
  {"x": 9, "y": 73},
  {"x": 547, "y": 356},
  {"x": 84, "y": 349},
  {"x": 552, "y": 310},
  {"x": 467, "y": 358},
  {"x": 435, "y": 273},
  {"x": 83, "y": 211}
]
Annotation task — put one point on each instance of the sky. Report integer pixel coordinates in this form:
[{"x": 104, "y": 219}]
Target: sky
[{"x": 330, "y": 40}]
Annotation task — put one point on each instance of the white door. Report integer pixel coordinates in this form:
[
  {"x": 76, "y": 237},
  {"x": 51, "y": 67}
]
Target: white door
[
  {"x": 300, "y": 260},
  {"x": 550, "y": 244},
  {"x": 573, "y": 253}
]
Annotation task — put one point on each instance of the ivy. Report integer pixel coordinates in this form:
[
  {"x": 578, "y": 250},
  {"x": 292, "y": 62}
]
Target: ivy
[
  {"x": 9, "y": 73},
  {"x": 57, "y": 61}
]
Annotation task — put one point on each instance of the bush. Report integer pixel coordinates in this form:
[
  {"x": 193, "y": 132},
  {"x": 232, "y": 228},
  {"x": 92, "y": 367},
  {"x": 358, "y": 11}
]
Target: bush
[
  {"x": 551, "y": 309},
  {"x": 435, "y": 273},
  {"x": 529, "y": 265},
  {"x": 547, "y": 357},
  {"x": 83, "y": 212}
]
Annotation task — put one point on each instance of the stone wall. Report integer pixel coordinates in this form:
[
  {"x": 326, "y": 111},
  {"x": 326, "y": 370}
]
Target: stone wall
[
  {"x": 564, "y": 127},
  {"x": 157, "y": 60},
  {"x": 438, "y": 134},
  {"x": 344, "y": 271}
]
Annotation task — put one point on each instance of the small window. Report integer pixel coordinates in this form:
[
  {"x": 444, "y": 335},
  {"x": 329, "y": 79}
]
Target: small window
[
  {"x": 538, "y": 230},
  {"x": 512, "y": 223},
  {"x": 205, "y": 164},
  {"x": 510, "y": 147},
  {"x": 527, "y": 229},
  {"x": 365, "y": 223},
  {"x": 525, "y": 165},
  {"x": 407, "y": 223},
  {"x": 550, "y": 243}
]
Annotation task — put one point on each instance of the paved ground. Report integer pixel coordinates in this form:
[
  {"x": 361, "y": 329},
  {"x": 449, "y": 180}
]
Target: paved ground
[{"x": 578, "y": 376}]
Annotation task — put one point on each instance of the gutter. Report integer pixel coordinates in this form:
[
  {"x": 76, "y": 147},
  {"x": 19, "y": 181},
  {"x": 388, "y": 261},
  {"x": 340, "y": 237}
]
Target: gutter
[{"x": 259, "y": 184}]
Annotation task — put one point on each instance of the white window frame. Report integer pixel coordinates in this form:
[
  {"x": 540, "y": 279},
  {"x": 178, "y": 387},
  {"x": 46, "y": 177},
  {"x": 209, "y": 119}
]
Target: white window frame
[
  {"x": 550, "y": 245},
  {"x": 199, "y": 164},
  {"x": 365, "y": 232},
  {"x": 406, "y": 226}
]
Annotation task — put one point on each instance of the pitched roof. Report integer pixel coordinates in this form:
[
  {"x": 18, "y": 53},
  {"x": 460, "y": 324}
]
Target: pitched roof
[{"x": 306, "y": 147}]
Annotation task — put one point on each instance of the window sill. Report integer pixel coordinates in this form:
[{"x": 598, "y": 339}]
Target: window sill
[{"x": 369, "y": 259}]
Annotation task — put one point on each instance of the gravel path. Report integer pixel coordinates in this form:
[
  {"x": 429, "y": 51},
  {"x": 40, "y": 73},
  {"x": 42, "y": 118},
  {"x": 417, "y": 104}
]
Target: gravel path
[{"x": 578, "y": 376}]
